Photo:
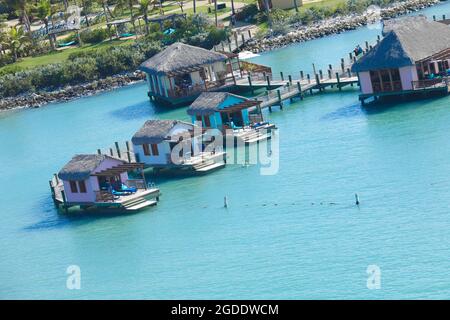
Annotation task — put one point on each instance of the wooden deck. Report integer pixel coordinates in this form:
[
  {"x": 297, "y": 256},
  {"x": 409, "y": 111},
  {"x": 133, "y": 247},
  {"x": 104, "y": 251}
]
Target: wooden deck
[
  {"x": 281, "y": 90},
  {"x": 132, "y": 202}
]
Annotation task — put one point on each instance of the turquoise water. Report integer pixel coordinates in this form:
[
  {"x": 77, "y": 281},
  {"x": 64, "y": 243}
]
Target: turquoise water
[{"x": 296, "y": 234}]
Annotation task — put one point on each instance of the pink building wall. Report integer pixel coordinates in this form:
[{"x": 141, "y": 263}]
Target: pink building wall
[
  {"x": 366, "y": 83},
  {"x": 408, "y": 75},
  {"x": 92, "y": 183}
]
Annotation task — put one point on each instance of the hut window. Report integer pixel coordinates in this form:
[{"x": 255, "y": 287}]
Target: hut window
[
  {"x": 207, "y": 121},
  {"x": 146, "y": 149},
  {"x": 198, "y": 118},
  {"x": 73, "y": 187},
  {"x": 82, "y": 186},
  {"x": 155, "y": 151}
]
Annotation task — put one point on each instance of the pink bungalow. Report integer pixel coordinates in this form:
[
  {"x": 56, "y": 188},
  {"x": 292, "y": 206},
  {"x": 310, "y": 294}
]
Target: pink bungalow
[
  {"x": 412, "y": 58},
  {"x": 96, "y": 180}
]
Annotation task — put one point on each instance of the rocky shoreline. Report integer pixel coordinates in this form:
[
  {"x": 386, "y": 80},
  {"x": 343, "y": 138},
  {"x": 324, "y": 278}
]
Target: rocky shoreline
[
  {"x": 300, "y": 34},
  {"x": 36, "y": 100},
  {"x": 336, "y": 25}
]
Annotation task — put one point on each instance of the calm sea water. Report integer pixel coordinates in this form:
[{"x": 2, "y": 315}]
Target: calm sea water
[{"x": 296, "y": 234}]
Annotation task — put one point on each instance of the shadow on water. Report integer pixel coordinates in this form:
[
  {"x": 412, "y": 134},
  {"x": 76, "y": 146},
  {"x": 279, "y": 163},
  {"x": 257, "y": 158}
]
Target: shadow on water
[
  {"x": 56, "y": 218},
  {"x": 141, "y": 110},
  {"x": 348, "y": 111},
  {"x": 412, "y": 102}
]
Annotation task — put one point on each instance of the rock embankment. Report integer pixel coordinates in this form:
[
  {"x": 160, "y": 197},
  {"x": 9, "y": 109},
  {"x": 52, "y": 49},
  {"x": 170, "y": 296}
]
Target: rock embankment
[
  {"x": 38, "y": 99},
  {"x": 336, "y": 25}
]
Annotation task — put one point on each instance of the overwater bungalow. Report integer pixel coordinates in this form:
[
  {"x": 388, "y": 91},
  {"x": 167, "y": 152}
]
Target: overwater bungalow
[
  {"x": 412, "y": 58},
  {"x": 174, "y": 145},
  {"x": 181, "y": 72},
  {"x": 231, "y": 114},
  {"x": 101, "y": 181}
]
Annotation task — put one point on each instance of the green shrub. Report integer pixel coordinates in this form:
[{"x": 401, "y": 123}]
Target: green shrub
[
  {"x": 94, "y": 36},
  {"x": 49, "y": 77},
  {"x": 248, "y": 13},
  {"x": 80, "y": 70},
  {"x": 15, "y": 84}
]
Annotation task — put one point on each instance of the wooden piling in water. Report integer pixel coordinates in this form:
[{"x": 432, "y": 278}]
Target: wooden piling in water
[
  {"x": 281, "y": 74},
  {"x": 268, "y": 82},
  {"x": 290, "y": 79},
  {"x": 301, "y": 75},
  {"x": 99, "y": 151},
  {"x": 250, "y": 84},
  {"x": 279, "y": 99},
  {"x": 118, "y": 150},
  {"x": 308, "y": 77},
  {"x": 299, "y": 87},
  {"x": 320, "y": 74},
  {"x": 342, "y": 64},
  {"x": 338, "y": 79}
]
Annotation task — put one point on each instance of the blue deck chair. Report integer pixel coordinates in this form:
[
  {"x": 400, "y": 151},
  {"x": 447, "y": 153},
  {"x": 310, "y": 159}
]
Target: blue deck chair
[{"x": 126, "y": 188}]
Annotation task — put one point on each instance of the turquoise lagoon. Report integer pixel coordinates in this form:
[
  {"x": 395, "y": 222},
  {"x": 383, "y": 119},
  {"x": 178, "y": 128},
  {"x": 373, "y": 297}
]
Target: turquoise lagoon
[{"x": 296, "y": 234}]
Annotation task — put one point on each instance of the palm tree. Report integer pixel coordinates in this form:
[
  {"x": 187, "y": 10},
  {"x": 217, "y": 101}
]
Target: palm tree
[
  {"x": 194, "y": 5},
  {"x": 121, "y": 4},
  {"x": 267, "y": 9},
  {"x": 143, "y": 8},
  {"x": 43, "y": 11},
  {"x": 23, "y": 7},
  {"x": 232, "y": 8},
  {"x": 16, "y": 38},
  {"x": 295, "y": 4},
  {"x": 215, "y": 11},
  {"x": 104, "y": 4},
  {"x": 86, "y": 5},
  {"x": 130, "y": 5}
]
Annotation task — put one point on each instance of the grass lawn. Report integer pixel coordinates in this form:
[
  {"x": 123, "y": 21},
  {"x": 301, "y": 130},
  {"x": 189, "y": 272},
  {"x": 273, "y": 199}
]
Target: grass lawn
[
  {"x": 59, "y": 56},
  {"x": 323, "y": 3},
  {"x": 204, "y": 10}
]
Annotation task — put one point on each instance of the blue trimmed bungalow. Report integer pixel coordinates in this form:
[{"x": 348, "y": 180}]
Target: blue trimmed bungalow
[
  {"x": 231, "y": 114},
  {"x": 179, "y": 73}
]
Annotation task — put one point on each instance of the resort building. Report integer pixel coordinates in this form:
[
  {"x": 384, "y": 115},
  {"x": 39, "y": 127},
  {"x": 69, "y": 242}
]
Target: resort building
[
  {"x": 174, "y": 144},
  {"x": 413, "y": 57},
  {"x": 181, "y": 72},
  {"x": 95, "y": 180},
  {"x": 230, "y": 113},
  {"x": 280, "y": 4}
]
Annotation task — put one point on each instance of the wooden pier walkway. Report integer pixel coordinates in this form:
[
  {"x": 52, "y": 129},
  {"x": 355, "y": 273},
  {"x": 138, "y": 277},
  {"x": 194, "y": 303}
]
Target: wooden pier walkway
[{"x": 279, "y": 90}]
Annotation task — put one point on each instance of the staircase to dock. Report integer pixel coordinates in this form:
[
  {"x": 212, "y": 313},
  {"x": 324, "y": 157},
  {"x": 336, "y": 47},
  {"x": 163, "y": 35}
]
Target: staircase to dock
[
  {"x": 138, "y": 203},
  {"x": 208, "y": 165}
]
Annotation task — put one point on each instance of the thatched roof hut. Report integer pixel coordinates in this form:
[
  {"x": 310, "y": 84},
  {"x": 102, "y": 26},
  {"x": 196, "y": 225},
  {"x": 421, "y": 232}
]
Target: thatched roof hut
[
  {"x": 210, "y": 102},
  {"x": 81, "y": 166},
  {"x": 156, "y": 131},
  {"x": 180, "y": 56},
  {"x": 406, "y": 41}
]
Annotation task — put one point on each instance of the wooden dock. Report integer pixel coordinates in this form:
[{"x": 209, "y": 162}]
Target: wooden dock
[{"x": 279, "y": 90}]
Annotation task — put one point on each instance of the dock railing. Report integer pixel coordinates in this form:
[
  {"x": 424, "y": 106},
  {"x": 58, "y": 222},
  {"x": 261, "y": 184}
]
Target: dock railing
[{"x": 430, "y": 83}]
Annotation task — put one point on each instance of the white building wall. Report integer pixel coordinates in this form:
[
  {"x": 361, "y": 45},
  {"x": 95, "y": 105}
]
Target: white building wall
[
  {"x": 161, "y": 159},
  {"x": 195, "y": 77},
  {"x": 408, "y": 74},
  {"x": 366, "y": 82}
]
